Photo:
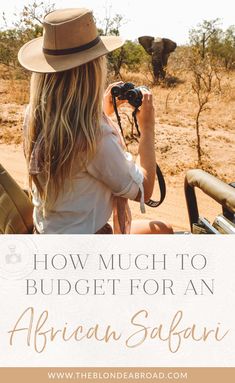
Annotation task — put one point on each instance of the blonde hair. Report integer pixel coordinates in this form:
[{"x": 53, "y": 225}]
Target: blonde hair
[{"x": 66, "y": 110}]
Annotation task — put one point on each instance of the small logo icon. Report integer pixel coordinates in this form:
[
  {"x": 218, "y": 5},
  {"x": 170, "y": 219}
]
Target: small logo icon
[
  {"x": 16, "y": 261},
  {"x": 13, "y": 257}
]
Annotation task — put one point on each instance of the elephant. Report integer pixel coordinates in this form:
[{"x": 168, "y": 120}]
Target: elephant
[{"x": 159, "y": 49}]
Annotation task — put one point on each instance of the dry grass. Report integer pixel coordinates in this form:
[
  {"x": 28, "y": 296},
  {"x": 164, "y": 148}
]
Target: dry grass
[
  {"x": 176, "y": 108},
  {"x": 175, "y": 122}
]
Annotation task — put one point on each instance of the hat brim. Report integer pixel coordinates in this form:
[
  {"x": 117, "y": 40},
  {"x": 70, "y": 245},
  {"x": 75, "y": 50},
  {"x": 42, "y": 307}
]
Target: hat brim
[{"x": 31, "y": 55}]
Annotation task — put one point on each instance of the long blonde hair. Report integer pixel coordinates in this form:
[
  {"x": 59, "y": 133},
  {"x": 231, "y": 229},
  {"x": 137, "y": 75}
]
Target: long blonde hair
[{"x": 66, "y": 110}]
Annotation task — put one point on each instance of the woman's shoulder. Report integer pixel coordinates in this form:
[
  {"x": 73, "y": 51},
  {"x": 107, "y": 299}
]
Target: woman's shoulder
[
  {"x": 111, "y": 131},
  {"x": 107, "y": 126}
]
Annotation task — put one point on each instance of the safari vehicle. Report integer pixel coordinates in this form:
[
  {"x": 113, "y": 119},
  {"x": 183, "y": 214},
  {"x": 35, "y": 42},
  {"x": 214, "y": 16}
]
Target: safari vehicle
[{"x": 16, "y": 209}]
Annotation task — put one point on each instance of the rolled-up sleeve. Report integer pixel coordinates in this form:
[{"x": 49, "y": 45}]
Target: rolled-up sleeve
[{"x": 116, "y": 169}]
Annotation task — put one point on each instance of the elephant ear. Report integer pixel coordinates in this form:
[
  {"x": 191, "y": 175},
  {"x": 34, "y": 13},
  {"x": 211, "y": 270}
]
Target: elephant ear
[
  {"x": 169, "y": 45},
  {"x": 146, "y": 42}
]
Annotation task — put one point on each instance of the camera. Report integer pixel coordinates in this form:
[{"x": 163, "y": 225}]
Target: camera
[{"x": 129, "y": 92}]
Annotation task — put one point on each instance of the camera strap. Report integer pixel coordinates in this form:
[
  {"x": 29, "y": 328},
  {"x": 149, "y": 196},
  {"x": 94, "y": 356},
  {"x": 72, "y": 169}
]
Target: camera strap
[
  {"x": 159, "y": 175},
  {"x": 117, "y": 115},
  {"x": 162, "y": 187},
  {"x": 135, "y": 120}
]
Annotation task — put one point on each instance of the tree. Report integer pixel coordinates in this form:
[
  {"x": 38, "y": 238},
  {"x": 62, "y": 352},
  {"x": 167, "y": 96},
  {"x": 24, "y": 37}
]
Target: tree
[
  {"x": 226, "y": 51},
  {"x": 211, "y": 46},
  {"x": 110, "y": 26},
  {"x": 201, "y": 36},
  {"x": 209, "y": 38},
  {"x": 205, "y": 80},
  {"x": 28, "y": 25}
]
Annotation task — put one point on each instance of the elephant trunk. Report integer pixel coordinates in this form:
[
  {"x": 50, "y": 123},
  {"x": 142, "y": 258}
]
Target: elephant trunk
[{"x": 158, "y": 67}]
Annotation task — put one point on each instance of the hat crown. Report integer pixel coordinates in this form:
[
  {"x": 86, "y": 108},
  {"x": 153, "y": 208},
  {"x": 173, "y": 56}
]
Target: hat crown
[{"x": 68, "y": 28}]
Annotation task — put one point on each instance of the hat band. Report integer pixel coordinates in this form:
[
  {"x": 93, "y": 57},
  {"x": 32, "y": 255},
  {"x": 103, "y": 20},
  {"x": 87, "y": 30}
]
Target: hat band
[{"x": 68, "y": 51}]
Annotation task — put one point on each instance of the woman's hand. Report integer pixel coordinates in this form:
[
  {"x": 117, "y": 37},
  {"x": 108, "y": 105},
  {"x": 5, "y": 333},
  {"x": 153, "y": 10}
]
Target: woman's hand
[
  {"x": 145, "y": 115},
  {"x": 107, "y": 100}
]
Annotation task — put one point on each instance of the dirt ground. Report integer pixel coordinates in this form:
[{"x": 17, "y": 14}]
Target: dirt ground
[{"x": 175, "y": 141}]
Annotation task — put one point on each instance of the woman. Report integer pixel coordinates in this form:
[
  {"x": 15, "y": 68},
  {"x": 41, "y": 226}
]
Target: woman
[{"x": 78, "y": 171}]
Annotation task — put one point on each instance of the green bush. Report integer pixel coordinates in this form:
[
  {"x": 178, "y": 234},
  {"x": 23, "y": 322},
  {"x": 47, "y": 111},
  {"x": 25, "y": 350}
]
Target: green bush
[{"x": 131, "y": 55}]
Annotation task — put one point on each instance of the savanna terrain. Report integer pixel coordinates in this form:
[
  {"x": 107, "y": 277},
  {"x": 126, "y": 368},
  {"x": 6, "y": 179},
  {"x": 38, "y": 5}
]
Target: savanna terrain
[{"x": 175, "y": 136}]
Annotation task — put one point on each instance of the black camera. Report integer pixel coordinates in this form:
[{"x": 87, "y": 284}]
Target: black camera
[{"x": 129, "y": 92}]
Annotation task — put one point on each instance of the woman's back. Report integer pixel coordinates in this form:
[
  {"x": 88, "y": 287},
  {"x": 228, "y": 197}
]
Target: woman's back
[{"x": 78, "y": 171}]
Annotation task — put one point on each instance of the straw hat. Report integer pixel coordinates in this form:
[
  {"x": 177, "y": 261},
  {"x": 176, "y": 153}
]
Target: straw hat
[{"x": 70, "y": 38}]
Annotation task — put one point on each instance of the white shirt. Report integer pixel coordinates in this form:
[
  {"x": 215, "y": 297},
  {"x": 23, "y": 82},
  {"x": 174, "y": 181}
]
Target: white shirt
[{"x": 86, "y": 207}]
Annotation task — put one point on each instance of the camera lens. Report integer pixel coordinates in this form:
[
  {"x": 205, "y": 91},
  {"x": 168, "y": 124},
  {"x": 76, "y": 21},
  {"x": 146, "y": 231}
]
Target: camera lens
[
  {"x": 134, "y": 97},
  {"x": 131, "y": 95},
  {"x": 116, "y": 91}
]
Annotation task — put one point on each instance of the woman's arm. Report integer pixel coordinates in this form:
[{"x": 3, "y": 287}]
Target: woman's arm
[
  {"x": 146, "y": 121},
  {"x": 146, "y": 157}
]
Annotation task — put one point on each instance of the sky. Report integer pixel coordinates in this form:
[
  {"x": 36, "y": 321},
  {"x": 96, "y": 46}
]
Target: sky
[{"x": 167, "y": 18}]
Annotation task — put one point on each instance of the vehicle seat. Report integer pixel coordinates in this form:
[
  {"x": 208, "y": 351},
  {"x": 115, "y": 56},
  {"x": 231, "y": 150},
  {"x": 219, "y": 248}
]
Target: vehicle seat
[{"x": 16, "y": 209}]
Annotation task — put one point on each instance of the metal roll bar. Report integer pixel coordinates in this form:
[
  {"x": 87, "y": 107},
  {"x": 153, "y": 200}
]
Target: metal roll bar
[{"x": 221, "y": 192}]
